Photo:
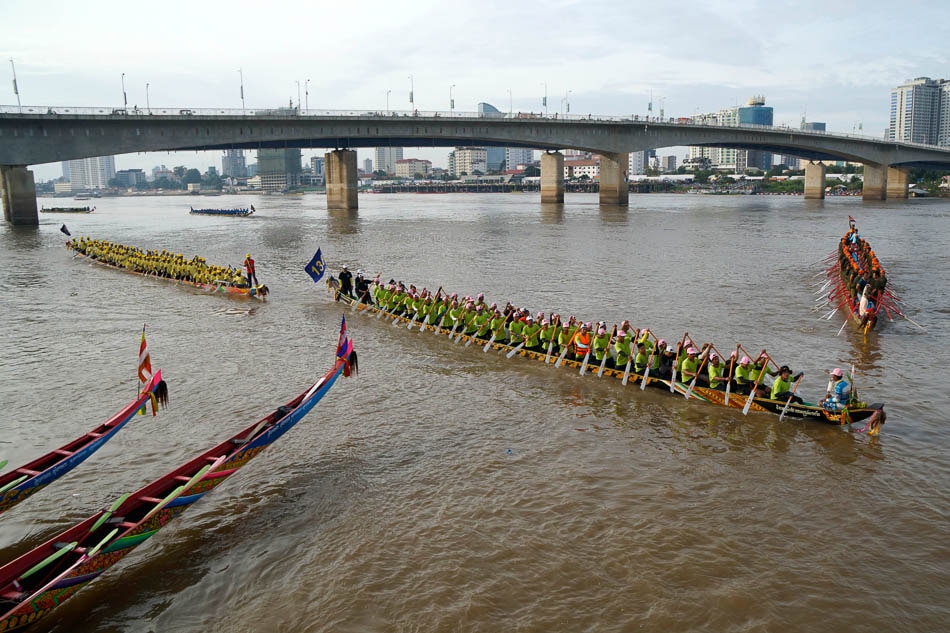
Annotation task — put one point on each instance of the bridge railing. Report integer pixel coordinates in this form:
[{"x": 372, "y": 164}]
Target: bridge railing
[{"x": 299, "y": 113}]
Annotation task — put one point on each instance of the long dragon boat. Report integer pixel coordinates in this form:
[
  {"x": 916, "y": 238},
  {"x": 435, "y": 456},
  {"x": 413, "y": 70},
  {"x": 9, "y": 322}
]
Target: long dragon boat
[
  {"x": 67, "y": 209},
  {"x": 20, "y": 483},
  {"x": 242, "y": 212},
  {"x": 221, "y": 286},
  {"x": 856, "y": 411},
  {"x": 857, "y": 283},
  {"x": 37, "y": 582}
]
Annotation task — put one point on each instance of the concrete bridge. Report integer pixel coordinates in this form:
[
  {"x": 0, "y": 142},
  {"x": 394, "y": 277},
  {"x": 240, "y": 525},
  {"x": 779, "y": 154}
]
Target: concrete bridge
[{"x": 36, "y": 135}]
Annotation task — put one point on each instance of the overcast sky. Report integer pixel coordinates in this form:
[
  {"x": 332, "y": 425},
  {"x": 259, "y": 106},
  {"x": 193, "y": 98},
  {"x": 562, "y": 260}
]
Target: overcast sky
[{"x": 831, "y": 61}]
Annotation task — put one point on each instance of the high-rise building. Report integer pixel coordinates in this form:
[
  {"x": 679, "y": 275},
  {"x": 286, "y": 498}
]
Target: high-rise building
[
  {"x": 232, "y": 164},
  {"x": 368, "y": 166},
  {"x": 91, "y": 173},
  {"x": 130, "y": 177},
  {"x": 920, "y": 112},
  {"x": 317, "y": 166},
  {"x": 518, "y": 156},
  {"x": 465, "y": 161},
  {"x": 386, "y": 158},
  {"x": 755, "y": 112},
  {"x": 279, "y": 169},
  {"x": 409, "y": 167}
]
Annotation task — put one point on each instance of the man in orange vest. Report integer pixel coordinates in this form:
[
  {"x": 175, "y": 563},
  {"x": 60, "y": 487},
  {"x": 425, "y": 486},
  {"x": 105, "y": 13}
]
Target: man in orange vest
[
  {"x": 249, "y": 269},
  {"x": 582, "y": 342}
]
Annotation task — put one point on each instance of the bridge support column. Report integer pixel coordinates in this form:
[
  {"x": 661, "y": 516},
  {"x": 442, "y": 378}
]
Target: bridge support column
[
  {"x": 897, "y": 181},
  {"x": 875, "y": 182},
  {"x": 614, "y": 188},
  {"x": 19, "y": 195},
  {"x": 342, "y": 184},
  {"x": 815, "y": 181},
  {"x": 552, "y": 177}
]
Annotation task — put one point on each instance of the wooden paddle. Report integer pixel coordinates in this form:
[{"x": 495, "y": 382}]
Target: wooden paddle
[
  {"x": 455, "y": 322},
  {"x": 626, "y": 370},
  {"x": 679, "y": 348},
  {"x": 792, "y": 395},
  {"x": 646, "y": 372},
  {"x": 603, "y": 362},
  {"x": 705, "y": 356},
  {"x": 732, "y": 365},
  {"x": 448, "y": 306},
  {"x": 748, "y": 402},
  {"x": 495, "y": 333},
  {"x": 590, "y": 346},
  {"x": 554, "y": 326},
  {"x": 560, "y": 358}
]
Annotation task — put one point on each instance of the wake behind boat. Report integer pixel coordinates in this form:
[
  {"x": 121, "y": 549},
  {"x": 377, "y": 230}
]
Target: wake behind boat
[
  {"x": 505, "y": 335},
  {"x": 239, "y": 212},
  {"x": 20, "y": 483},
  {"x": 173, "y": 267},
  {"x": 40, "y": 580}
]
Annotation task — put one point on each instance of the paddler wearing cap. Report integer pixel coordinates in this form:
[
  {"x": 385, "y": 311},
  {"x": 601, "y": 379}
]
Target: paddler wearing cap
[
  {"x": 839, "y": 391},
  {"x": 717, "y": 371},
  {"x": 362, "y": 287},
  {"x": 689, "y": 369},
  {"x": 346, "y": 281},
  {"x": 781, "y": 385},
  {"x": 249, "y": 271}
]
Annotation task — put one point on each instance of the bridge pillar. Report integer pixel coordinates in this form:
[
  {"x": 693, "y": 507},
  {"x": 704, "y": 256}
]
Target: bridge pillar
[
  {"x": 875, "y": 182},
  {"x": 19, "y": 195},
  {"x": 614, "y": 188},
  {"x": 897, "y": 181},
  {"x": 815, "y": 181},
  {"x": 552, "y": 177},
  {"x": 342, "y": 184}
]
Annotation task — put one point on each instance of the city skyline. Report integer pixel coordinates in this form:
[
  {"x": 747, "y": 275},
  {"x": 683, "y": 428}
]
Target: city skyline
[{"x": 832, "y": 63}]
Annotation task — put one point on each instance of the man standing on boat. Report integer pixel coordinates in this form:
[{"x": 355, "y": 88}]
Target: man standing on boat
[
  {"x": 346, "y": 282},
  {"x": 249, "y": 271}
]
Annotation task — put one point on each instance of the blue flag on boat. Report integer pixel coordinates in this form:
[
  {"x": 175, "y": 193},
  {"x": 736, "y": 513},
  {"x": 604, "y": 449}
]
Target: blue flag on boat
[{"x": 316, "y": 267}]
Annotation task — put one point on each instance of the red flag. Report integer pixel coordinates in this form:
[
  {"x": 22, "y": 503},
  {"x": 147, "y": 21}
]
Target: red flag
[{"x": 145, "y": 361}]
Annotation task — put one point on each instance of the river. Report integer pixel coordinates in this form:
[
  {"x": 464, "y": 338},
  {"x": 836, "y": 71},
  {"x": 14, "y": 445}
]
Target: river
[{"x": 446, "y": 489}]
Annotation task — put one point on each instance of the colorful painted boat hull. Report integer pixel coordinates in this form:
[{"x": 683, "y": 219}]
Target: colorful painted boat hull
[
  {"x": 103, "y": 539},
  {"x": 41, "y": 472}
]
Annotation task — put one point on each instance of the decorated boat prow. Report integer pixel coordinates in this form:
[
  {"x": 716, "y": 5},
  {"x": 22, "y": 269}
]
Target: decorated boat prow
[
  {"x": 37, "y": 582},
  {"x": 20, "y": 483}
]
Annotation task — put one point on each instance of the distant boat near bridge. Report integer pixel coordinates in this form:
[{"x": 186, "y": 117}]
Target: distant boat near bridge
[
  {"x": 240, "y": 212},
  {"x": 67, "y": 209}
]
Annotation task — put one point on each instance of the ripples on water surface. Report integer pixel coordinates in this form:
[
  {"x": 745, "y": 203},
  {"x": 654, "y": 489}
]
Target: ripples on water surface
[{"x": 445, "y": 489}]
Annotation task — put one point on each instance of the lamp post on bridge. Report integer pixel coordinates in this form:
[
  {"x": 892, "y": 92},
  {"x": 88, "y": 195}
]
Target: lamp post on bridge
[
  {"x": 544, "y": 100},
  {"x": 125, "y": 99},
  {"x": 412, "y": 102},
  {"x": 148, "y": 105},
  {"x": 298, "y": 95},
  {"x": 306, "y": 95},
  {"x": 387, "y": 101},
  {"x": 509, "y": 103},
  {"x": 16, "y": 90},
  {"x": 566, "y": 102},
  {"x": 241, "y": 75},
  {"x": 451, "y": 100}
]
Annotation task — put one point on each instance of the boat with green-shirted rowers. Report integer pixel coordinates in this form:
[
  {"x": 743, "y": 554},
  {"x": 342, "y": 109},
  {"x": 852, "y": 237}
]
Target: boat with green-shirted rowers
[{"x": 553, "y": 350}]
